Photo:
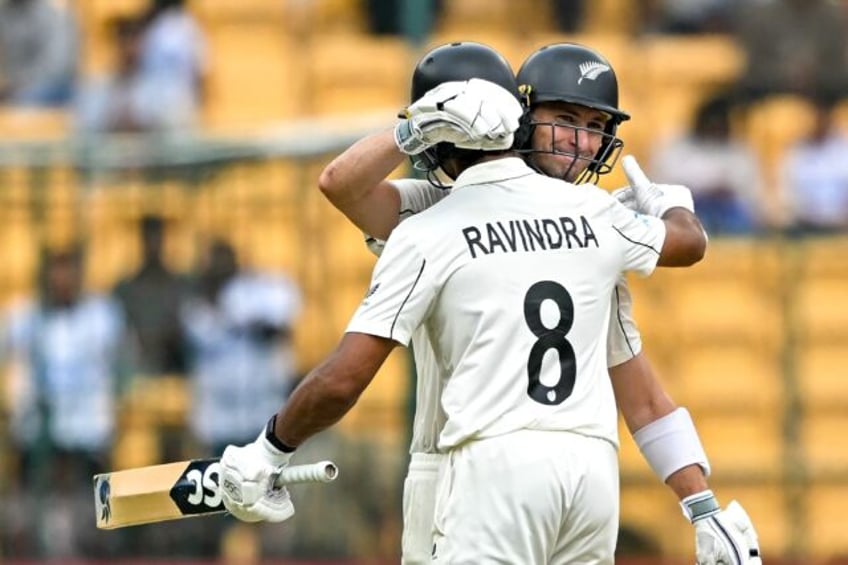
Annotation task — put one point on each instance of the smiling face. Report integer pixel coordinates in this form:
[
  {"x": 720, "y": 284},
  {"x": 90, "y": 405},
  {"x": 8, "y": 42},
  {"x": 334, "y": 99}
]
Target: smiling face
[{"x": 566, "y": 138}]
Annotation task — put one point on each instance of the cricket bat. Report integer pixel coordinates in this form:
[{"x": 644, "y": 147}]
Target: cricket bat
[{"x": 173, "y": 491}]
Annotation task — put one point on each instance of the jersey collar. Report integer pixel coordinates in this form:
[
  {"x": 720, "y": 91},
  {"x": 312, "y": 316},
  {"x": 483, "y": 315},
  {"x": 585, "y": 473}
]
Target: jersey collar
[{"x": 497, "y": 170}]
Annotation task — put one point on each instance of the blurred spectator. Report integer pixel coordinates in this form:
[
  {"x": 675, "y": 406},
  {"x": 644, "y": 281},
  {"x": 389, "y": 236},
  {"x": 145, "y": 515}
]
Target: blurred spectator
[
  {"x": 39, "y": 53},
  {"x": 386, "y": 17},
  {"x": 239, "y": 327},
  {"x": 129, "y": 100},
  {"x": 723, "y": 173},
  {"x": 64, "y": 345},
  {"x": 173, "y": 48},
  {"x": 792, "y": 46},
  {"x": 569, "y": 14},
  {"x": 815, "y": 177},
  {"x": 686, "y": 16},
  {"x": 151, "y": 299}
]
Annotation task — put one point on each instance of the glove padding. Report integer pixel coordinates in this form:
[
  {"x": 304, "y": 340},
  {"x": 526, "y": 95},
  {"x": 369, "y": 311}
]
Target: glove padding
[
  {"x": 472, "y": 114},
  {"x": 722, "y": 537},
  {"x": 650, "y": 198},
  {"x": 247, "y": 482}
]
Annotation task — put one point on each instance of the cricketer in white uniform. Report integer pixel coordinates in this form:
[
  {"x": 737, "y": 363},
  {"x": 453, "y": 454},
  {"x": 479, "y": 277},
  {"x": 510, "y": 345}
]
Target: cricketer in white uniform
[
  {"x": 511, "y": 279},
  {"x": 452, "y": 112},
  {"x": 426, "y": 462}
]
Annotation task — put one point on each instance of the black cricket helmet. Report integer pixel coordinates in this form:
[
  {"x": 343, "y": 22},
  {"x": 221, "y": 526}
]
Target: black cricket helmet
[
  {"x": 576, "y": 74},
  {"x": 458, "y": 61}
]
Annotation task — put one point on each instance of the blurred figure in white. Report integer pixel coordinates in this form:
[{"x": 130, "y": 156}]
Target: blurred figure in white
[
  {"x": 722, "y": 172},
  {"x": 39, "y": 52},
  {"x": 815, "y": 177},
  {"x": 173, "y": 47},
  {"x": 64, "y": 346},
  {"x": 127, "y": 100},
  {"x": 239, "y": 325}
]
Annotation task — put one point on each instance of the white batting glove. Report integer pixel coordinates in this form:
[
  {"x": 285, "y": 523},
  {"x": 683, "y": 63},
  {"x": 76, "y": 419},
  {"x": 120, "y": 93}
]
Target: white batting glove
[
  {"x": 626, "y": 197},
  {"x": 473, "y": 114},
  {"x": 722, "y": 537},
  {"x": 652, "y": 199},
  {"x": 247, "y": 482}
]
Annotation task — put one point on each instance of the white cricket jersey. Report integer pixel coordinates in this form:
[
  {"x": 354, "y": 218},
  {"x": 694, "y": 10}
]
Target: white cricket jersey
[
  {"x": 624, "y": 342},
  {"x": 511, "y": 278},
  {"x": 416, "y": 196}
]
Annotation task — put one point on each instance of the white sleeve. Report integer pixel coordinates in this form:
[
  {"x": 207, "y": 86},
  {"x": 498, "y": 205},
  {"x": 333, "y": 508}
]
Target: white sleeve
[
  {"x": 623, "y": 339},
  {"x": 401, "y": 292},
  {"x": 416, "y": 195},
  {"x": 642, "y": 237}
]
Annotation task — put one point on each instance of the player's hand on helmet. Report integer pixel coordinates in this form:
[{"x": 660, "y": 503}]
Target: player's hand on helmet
[
  {"x": 247, "y": 482},
  {"x": 650, "y": 198},
  {"x": 722, "y": 537},
  {"x": 472, "y": 114}
]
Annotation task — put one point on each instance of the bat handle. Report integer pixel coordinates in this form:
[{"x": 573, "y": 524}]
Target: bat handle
[{"x": 321, "y": 472}]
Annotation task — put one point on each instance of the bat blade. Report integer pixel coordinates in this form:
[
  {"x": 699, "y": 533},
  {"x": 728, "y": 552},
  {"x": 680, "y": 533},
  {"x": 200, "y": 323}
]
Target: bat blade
[{"x": 173, "y": 491}]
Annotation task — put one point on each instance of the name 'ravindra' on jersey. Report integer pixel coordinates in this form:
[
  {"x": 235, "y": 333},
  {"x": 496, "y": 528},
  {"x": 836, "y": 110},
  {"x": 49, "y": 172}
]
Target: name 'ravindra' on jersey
[{"x": 540, "y": 234}]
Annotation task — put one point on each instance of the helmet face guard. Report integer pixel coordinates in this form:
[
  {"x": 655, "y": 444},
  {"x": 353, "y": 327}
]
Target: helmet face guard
[
  {"x": 599, "y": 164},
  {"x": 574, "y": 74}
]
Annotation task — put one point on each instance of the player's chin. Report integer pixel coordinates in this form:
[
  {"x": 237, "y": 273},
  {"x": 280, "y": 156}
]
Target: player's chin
[
  {"x": 552, "y": 166},
  {"x": 566, "y": 168}
]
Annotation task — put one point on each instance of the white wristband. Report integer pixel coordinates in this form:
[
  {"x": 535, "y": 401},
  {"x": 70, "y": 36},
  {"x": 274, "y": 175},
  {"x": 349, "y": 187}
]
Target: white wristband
[
  {"x": 671, "y": 443},
  {"x": 699, "y": 506}
]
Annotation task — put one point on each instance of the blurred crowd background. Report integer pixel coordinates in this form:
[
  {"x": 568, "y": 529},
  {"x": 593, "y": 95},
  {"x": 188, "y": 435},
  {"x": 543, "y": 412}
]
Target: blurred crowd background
[{"x": 170, "y": 269}]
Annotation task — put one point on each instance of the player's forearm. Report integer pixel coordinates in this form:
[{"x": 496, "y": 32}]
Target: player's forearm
[
  {"x": 687, "y": 481},
  {"x": 639, "y": 393},
  {"x": 330, "y": 390},
  {"x": 321, "y": 400},
  {"x": 353, "y": 174},
  {"x": 354, "y": 182},
  {"x": 685, "y": 241}
]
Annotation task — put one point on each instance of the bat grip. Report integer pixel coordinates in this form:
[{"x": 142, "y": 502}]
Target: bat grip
[{"x": 321, "y": 472}]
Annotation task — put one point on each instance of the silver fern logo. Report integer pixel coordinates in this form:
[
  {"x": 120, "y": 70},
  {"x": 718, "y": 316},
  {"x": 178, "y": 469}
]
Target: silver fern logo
[{"x": 591, "y": 70}]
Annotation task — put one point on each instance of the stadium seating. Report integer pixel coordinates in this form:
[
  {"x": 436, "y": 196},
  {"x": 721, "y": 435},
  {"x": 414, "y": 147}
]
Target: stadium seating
[
  {"x": 771, "y": 126},
  {"x": 22, "y": 124},
  {"x": 648, "y": 503},
  {"x": 821, "y": 377},
  {"x": 742, "y": 446},
  {"x": 348, "y": 74},
  {"x": 827, "y": 521},
  {"x": 19, "y": 255},
  {"x": 466, "y": 19},
  {"x": 674, "y": 85},
  {"x": 248, "y": 91},
  {"x": 822, "y": 308},
  {"x": 823, "y": 443},
  {"x": 730, "y": 378}
]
